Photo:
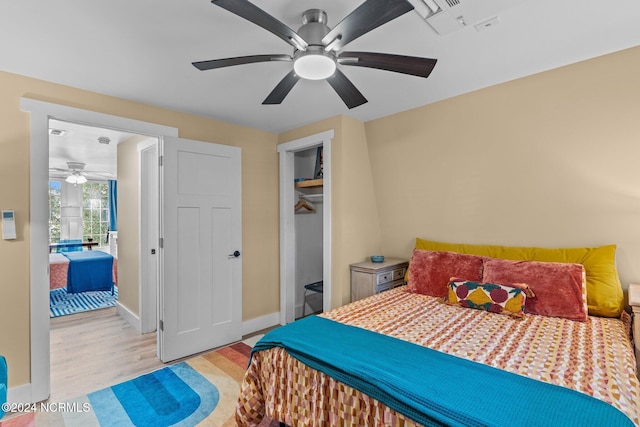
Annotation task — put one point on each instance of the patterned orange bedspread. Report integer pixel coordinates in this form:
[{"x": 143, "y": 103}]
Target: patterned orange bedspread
[{"x": 594, "y": 357}]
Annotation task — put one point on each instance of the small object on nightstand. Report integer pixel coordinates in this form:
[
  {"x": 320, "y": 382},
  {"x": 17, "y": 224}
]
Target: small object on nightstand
[
  {"x": 368, "y": 278},
  {"x": 377, "y": 258}
]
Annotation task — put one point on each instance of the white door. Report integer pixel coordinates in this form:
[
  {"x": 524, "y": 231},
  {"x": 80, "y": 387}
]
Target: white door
[{"x": 201, "y": 268}]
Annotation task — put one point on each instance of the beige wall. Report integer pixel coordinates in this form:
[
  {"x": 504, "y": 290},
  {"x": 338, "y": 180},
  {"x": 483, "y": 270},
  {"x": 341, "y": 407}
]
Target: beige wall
[
  {"x": 259, "y": 199},
  {"x": 547, "y": 160}
]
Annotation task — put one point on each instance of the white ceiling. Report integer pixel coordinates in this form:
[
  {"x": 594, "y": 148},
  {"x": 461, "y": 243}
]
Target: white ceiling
[
  {"x": 79, "y": 143},
  {"x": 142, "y": 50}
]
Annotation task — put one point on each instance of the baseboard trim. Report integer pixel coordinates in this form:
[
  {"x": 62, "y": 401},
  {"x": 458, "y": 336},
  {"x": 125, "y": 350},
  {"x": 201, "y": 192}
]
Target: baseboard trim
[
  {"x": 129, "y": 316},
  {"x": 20, "y": 394},
  {"x": 259, "y": 323}
]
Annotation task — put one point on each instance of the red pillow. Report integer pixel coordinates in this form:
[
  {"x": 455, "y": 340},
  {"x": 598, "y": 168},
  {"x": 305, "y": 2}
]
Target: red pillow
[
  {"x": 430, "y": 271},
  {"x": 560, "y": 288}
]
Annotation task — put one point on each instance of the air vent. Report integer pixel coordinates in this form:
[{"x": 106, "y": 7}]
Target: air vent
[
  {"x": 425, "y": 8},
  {"x": 448, "y": 16}
]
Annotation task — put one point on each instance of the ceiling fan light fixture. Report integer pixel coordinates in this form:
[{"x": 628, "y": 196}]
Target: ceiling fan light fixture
[
  {"x": 314, "y": 65},
  {"x": 75, "y": 179}
]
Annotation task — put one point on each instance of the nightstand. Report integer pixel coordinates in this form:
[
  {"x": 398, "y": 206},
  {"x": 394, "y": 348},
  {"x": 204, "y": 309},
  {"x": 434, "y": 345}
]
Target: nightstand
[{"x": 368, "y": 278}]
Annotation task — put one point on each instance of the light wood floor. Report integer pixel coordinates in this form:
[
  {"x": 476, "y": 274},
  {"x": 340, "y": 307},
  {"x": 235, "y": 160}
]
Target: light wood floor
[{"x": 96, "y": 349}]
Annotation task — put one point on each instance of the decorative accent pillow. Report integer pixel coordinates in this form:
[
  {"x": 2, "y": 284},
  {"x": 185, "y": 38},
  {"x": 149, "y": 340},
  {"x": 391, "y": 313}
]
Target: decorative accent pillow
[
  {"x": 502, "y": 299},
  {"x": 560, "y": 288},
  {"x": 430, "y": 271},
  {"x": 604, "y": 291}
]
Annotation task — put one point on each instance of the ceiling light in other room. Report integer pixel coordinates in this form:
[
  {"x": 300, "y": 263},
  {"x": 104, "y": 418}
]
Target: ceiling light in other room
[
  {"x": 75, "y": 179},
  {"x": 314, "y": 64},
  {"x": 104, "y": 140}
]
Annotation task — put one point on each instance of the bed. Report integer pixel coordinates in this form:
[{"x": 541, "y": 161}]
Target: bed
[
  {"x": 59, "y": 267},
  {"x": 590, "y": 359}
]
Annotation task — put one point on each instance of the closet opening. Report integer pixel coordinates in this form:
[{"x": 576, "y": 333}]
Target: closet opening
[
  {"x": 305, "y": 226},
  {"x": 308, "y": 224}
]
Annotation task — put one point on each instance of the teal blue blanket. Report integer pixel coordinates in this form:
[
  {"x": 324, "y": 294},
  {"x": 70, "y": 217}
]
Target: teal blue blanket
[{"x": 431, "y": 387}]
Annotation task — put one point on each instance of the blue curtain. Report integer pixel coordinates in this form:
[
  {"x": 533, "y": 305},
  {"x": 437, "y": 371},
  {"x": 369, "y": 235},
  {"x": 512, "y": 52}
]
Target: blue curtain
[{"x": 113, "y": 204}]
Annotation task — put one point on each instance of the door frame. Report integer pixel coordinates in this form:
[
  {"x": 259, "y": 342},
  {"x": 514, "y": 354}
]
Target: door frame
[
  {"x": 287, "y": 221},
  {"x": 148, "y": 184},
  {"x": 40, "y": 112}
]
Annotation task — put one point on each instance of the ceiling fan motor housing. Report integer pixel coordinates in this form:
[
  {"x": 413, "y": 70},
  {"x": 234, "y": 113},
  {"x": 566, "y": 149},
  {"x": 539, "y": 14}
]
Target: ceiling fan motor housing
[
  {"x": 314, "y": 27},
  {"x": 316, "y": 62}
]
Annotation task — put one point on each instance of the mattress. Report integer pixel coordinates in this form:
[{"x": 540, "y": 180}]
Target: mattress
[{"x": 593, "y": 357}]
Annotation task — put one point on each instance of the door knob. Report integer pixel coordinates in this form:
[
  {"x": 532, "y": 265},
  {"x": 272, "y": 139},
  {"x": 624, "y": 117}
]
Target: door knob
[{"x": 235, "y": 254}]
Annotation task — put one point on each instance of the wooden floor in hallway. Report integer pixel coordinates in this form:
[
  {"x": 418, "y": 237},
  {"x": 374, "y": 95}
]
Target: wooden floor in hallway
[{"x": 96, "y": 349}]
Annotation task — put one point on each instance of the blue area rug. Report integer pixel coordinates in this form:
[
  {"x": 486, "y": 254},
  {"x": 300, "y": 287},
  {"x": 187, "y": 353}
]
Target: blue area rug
[
  {"x": 177, "y": 395},
  {"x": 61, "y": 303},
  {"x": 203, "y": 391}
]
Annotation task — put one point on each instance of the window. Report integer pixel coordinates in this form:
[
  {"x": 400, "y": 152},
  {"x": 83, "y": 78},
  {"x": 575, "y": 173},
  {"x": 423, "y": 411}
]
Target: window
[
  {"x": 95, "y": 211},
  {"x": 54, "y": 211}
]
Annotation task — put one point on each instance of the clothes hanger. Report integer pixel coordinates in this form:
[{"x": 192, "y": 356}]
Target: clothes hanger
[{"x": 304, "y": 204}]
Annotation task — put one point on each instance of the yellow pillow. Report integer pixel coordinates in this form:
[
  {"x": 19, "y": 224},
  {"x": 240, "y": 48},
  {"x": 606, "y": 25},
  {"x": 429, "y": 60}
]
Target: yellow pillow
[{"x": 604, "y": 291}]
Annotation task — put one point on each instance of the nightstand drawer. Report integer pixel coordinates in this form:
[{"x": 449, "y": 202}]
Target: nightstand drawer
[
  {"x": 399, "y": 273},
  {"x": 383, "y": 287},
  {"x": 383, "y": 278}
]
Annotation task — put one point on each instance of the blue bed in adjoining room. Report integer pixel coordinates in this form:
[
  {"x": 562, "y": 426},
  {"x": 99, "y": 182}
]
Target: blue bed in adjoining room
[{"x": 89, "y": 271}]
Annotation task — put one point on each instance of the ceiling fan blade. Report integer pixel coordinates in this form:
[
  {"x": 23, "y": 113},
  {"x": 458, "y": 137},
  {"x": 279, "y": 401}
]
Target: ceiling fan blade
[
  {"x": 239, "y": 60},
  {"x": 412, "y": 65},
  {"x": 100, "y": 173},
  {"x": 369, "y": 15},
  {"x": 350, "y": 95},
  {"x": 253, "y": 13},
  {"x": 283, "y": 88}
]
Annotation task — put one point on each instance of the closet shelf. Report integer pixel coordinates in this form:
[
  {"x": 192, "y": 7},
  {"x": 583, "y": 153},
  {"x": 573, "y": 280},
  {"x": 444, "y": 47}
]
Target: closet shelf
[{"x": 309, "y": 183}]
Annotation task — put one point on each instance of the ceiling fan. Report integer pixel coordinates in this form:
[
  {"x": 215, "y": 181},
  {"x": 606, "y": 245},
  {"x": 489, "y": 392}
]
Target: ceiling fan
[
  {"x": 318, "y": 49},
  {"x": 75, "y": 174}
]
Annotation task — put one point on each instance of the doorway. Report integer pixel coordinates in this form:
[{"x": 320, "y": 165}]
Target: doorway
[
  {"x": 41, "y": 112},
  {"x": 83, "y": 177},
  {"x": 288, "y": 199}
]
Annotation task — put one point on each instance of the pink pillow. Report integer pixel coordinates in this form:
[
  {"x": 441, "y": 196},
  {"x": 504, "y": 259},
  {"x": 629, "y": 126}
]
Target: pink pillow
[
  {"x": 430, "y": 271},
  {"x": 560, "y": 288}
]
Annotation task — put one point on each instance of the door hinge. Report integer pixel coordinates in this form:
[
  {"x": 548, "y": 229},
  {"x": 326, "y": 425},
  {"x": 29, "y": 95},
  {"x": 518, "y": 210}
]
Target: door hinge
[
  {"x": 161, "y": 325},
  {"x": 160, "y": 160},
  {"x": 161, "y": 243}
]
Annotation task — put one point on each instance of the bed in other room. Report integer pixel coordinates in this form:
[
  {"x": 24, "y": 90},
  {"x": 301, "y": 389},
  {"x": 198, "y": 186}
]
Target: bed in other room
[
  {"x": 583, "y": 350},
  {"x": 58, "y": 270}
]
